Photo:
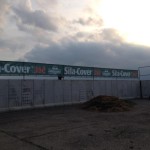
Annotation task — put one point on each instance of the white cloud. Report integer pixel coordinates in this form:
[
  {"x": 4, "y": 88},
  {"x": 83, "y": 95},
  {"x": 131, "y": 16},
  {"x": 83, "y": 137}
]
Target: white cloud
[
  {"x": 90, "y": 21},
  {"x": 47, "y": 4},
  {"x": 4, "y": 8}
]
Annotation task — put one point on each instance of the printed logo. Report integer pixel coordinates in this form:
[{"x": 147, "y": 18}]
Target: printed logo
[
  {"x": 54, "y": 70},
  {"x": 97, "y": 72},
  {"x": 8, "y": 68},
  {"x": 77, "y": 71},
  {"x": 120, "y": 73},
  {"x": 106, "y": 73},
  {"x": 134, "y": 74}
]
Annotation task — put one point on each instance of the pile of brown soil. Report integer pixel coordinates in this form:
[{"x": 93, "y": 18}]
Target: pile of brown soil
[{"x": 108, "y": 104}]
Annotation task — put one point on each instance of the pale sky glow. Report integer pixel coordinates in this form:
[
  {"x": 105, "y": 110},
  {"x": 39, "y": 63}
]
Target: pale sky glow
[
  {"x": 102, "y": 33},
  {"x": 129, "y": 17}
]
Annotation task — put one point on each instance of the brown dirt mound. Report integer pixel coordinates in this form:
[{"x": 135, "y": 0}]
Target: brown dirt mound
[{"x": 108, "y": 104}]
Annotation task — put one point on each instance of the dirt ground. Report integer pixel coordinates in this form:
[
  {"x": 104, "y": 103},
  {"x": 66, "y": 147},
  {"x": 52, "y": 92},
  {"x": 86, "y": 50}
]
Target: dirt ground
[{"x": 71, "y": 128}]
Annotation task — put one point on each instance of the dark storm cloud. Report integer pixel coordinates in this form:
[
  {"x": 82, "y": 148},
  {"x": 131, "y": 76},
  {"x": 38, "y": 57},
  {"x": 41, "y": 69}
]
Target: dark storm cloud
[
  {"x": 109, "y": 51},
  {"x": 91, "y": 54},
  {"x": 36, "y": 18}
]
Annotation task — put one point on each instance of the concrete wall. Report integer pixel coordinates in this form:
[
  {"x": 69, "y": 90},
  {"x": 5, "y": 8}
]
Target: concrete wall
[
  {"x": 145, "y": 84},
  {"x": 18, "y": 94}
]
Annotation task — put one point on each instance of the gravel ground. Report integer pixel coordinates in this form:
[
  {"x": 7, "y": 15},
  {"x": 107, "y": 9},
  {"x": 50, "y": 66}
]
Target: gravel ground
[{"x": 71, "y": 128}]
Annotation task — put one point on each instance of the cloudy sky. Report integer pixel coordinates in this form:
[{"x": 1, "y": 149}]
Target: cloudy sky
[{"x": 100, "y": 33}]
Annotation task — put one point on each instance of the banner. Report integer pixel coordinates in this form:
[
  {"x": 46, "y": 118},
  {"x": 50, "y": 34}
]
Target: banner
[
  {"x": 78, "y": 71},
  {"x": 23, "y": 68},
  {"x": 54, "y": 70},
  {"x": 117, "y": 73},
  {"x": 14, "y": 68},
  {"x": 26, "y": 68}
]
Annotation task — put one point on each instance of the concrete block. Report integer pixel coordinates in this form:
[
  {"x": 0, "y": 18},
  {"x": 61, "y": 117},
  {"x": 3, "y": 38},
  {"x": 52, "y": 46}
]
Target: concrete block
[
  {"x": 126, "y": 84},
  {"x": 75, "y": 91},
  {"x": 14, "y": 93},
  {"x": 58, "y": 92},
  {"x": 145, "y": 88},
  {"x": 129, "y": 89},
  {"x": 89, "y": 89},
  {"x": 108, "y": 87},
  {"x": 67, "y": 92},
  {"x": 39, "y": 92},
  {"x": 49, "y": 92},
  {"x": 4, "y": 94},
  {"x": 27, "y": 98},
  {"x": 82, "y": 91},
  {"x": 96, "y": 88},
  {"x": 138, "y": 88},
  {"x": 102, "y": 87},
  {"x": 114, "y": 88},
  {"x": 120, "y": 88},
  {"x": 135, "y": 89}
]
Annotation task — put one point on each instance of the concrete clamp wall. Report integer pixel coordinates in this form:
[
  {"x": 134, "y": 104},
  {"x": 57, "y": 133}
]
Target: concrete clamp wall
[
  {"x": 145, "y": 84},
  {"x": 17, "y": 94}
]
